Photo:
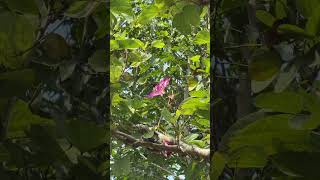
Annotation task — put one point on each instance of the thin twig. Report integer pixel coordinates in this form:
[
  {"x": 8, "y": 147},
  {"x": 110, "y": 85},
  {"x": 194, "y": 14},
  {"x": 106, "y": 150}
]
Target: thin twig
[
  {"x": 242, "y": 45},
  {"x": 233, "y": 63}
]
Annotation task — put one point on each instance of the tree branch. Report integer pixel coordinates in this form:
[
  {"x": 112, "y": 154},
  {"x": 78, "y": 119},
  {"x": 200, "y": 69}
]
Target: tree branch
[{"x": 183, "y": 148}]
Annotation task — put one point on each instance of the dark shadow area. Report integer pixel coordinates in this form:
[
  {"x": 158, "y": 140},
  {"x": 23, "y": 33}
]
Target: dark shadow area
[
  {"x": 54, "y": 89},
  {"x": 265, "y": 89}
]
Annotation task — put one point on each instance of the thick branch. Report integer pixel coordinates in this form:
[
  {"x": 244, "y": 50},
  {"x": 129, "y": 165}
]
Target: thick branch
[{"x": 183, "y": 148}]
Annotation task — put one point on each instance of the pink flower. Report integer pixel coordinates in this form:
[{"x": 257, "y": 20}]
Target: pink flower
[{"x": 159, "y": 88}]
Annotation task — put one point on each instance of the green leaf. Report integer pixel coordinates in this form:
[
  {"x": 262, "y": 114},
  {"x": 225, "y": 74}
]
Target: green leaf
[
  {"x": 16, "y": 83},
  {"x": 98, "y": 61},
  {"x": 247, "y": 157},
  {"x": 148, "y": 134},
  {"x": 190, "y": 16},
  {"x": 313, "y": 23},
  {"x": 19, "y": 157},
  {"x": 194, "y": 103},
  {"x": 265, "y": 17},
  {"x": 203, "y": 123},
  {"x": 303, "y": 164},
  {"x": 258, "y": 86},
  {"x": 4, "y": 154},
  {"x": 46, "y": 147},
  {"x": 18, "y": 36},
  {"x": 22, "y": 118},
  {"x": 66, "y": 69},
  {"x": 198, "y": 143},
  {"x": 193, "y": 83},
  {"x": 264, "y": 66},
  {"x": 293, "y": 30},
  {"x": 158, "y": 44},
  {"x": 116, "y": 99},
  {"x": 166, "y": 115},
  {"x": 114, "y": 45},
  {"x": 218, "y": 164},
  {"x": 200, "y": 93},
  {"x": 287, "y": 102},
  {"x": 115, "y": 73},
  {"x": 101, "y": 17},
  {"x": 7, "y": 18},
  {"x": 122, "y": 166},
  {"x": 263, "y": 133},
  {"x": 299, "y": 121},
  {"x": 307, "y": 7},
  {"x": 123, "y": 6},
  {"x": 228, "y": 5},
  {"x": 195, "y": 58},
  {"x": 55, "y": 48},
  {"x": 203, "y": 37},
  {"x": 285, "y": 78},
  {"x": 193, "y": 171},
  {"x": 25, "y": 6},
  {"x": 238, "y": 125},
  {"x": 126, "y": 44},
  {"x": 85, "y": 135},
  {"x": 148, "y": 14},
  {"x": 85, "y": 169},
  {"x": 80, "y": 9},
  {"x": 280, "y": 9},
  {"x": 191, "y": 137},
  {"x": 310, "y": 122}
]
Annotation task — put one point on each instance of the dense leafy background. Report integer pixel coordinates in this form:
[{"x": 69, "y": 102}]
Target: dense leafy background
[
  {"x": 151, "y": 40},
  {"x": 266, "y": 57},
  {"x": 53, "y": 95},
  {"x": 53, "y": 100}
]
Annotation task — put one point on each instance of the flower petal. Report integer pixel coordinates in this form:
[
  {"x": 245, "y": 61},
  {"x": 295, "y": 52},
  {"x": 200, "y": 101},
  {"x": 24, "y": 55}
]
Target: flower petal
[{"x": 159, "y": 88}]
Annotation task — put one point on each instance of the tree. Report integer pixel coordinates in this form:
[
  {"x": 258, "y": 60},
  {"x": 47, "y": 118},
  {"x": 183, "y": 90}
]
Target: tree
[
  {"x": 53, "y": 89},
  {"x": 269, "y": 51},
  {"x": 160, "y": 89}
]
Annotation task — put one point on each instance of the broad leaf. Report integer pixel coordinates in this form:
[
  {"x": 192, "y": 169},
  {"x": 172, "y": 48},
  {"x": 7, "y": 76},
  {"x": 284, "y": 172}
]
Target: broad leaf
[
  {"x": 265, "y": 17},
  {"x": 98, "y": 61},
  {"x": 15, "y": 39},
  {"x": 26, "y": 6},
  {"x": 301, "y": 164},
  {"x": 293, "y": 30},
  {"x": 218, "y": 164},
  {"x": 126, "y": 44},
  {"x": 264, "y": 66},
  {"x": 158, "y": 44},
  {"x": 16, "y": 83},
  {"x": 203, "y": 37},
  {"x": 190, "y": 16},
  {"x": 287, "y": 102},
  {"x": 80, "y": 9},
  {"x": 148, "y": 13},
  {"x": 285, "y": 78},
  {"x": 85, "y": 135},
  {"x": 22, "y": 118}
]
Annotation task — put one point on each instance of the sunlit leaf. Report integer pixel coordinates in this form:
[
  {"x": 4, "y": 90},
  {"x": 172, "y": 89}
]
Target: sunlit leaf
[
  {"x": 148, "y": 13},
  {"x": 158, "y": 44},
  {"x": 203, "y": 37},
  {"x": 190, "y": 16}
]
